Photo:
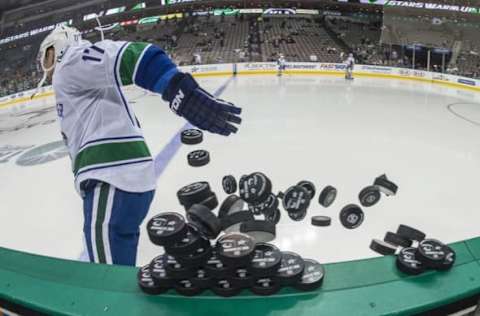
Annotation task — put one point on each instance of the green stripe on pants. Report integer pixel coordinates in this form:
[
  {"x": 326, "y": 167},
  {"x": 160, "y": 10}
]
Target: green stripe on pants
[{"x": 101, "y": 210}]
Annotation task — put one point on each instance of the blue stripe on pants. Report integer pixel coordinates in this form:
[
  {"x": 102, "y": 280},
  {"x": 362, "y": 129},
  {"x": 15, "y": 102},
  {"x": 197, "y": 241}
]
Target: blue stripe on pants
[{"x": 128, "y": 210}]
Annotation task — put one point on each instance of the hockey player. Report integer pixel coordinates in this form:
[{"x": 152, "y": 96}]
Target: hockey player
[
  {"x": 112, "y": 165},
  {"x": 349, "y": 69},
  {"x": 280, "y": 64}
]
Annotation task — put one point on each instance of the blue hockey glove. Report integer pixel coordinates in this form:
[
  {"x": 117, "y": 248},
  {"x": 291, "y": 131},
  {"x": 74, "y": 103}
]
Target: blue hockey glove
[{"x": 199, "y": 107}]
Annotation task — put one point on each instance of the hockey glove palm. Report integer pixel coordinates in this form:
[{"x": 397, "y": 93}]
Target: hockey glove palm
[{"x": 200, "y": 108}]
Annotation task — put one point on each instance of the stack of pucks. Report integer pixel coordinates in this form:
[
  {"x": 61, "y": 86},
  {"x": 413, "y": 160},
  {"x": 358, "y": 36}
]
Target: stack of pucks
[
  {"x": 296, "y": 201},
  {"x": 415, "y": 253},
  {"x": 197, "y": 193}
]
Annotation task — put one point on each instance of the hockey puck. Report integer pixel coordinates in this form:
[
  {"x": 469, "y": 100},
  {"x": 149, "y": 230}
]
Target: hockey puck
[
  {"x": 187, "y": 288},
  {"x": 159, "y": 274},
  {"x": 197, "y": 258},
  {"x": 260, "y": 231},
  {"x": 215, "y": 267},
  {"x": 229, "y": 184},
  {"x": 273, "y": 216},
  {"x": 296, "y": 199},
  {"x": 351, "y": 216},
  {"x": 225, "y": 288},
  {"x": 312, "y": 277},
  {"x": 385, "y": 186},
  {"x": 232, "y": 222},
  {"x": 194, "y": 193},
  {"x": 291, "y": 269},
  {"x": 202, "y": 279},
  {"x": 327, "y": 196},
  {"x": 242, "y": 278},
  {"x": 235, "y": 249},
  {"x": 198, "y": 158},
  {"x": 266, "y": 260},
  {"x": 270, "y": 204},
  {"x": 204, "y": 220},
  {"x": 297, "y": 216},
  {"x": 174, "y": 269},
  {"x": 166, "y": 228},
  {"x": 211, "y": 202},
  {"x": 408, "y": 263},
  {"x": 383, "y": 247},
  {"x": 265, "y": 286},
  {"x": 231, "y": 204},
  {"x": 146, "y": 282},
  {"x": 410, "y": 233},
  {"x": 254, "y": 209},
  {"x": 398, "y": 240},
  {"x": 431, "y": 253},
  {"x": 190, "y": 242},
  {"x": 255, "y": 188},
  {"x": 321, "y": 221},
  {"x": 369, "y": 196},
  {"x": 450, "y": 257},
  {"x": 309, "y": 186},
  {"x": 191, "y": 136}
]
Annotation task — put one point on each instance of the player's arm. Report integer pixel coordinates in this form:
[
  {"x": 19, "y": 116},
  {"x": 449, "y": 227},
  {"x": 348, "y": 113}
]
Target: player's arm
[{"x": 149, "y": 67}]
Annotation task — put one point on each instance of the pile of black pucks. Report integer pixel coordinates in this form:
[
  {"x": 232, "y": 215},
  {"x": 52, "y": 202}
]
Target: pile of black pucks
[
  {"x": 414, "y": 252},
  {"x": 200, "y": 254}
]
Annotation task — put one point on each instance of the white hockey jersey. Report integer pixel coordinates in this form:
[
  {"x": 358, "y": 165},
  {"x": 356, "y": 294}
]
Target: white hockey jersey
[
  {"x": 350, "y": 62},
  {"x": 98, "y": 124}
]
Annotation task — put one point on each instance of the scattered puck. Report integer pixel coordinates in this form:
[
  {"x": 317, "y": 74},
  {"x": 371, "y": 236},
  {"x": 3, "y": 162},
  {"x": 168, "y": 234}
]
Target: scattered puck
[
  {"x": 327, "y": 196},
  {"x": 231, "y": 204},
  {"x": 351, "y": 216},
  {"x": 273, "y": 216},
  {"x": 383, "y": 247},
  {"x": 146, "y": 282},
  {"x": 270, "y": 204},
  {"x": 265, "y": 286},
  {"x": 187, "y": 288},
  {"x": 206, "y": 222},
  {"x": 191, "y": 136},
  {"x": 194, "y": 193},
  {"x": 321, "y": 221},
  {"x": 229, "y": 184},
  {"x": 297, "y": 216},
  {"x": 385, "y": 186},
  {"x": 410, "y": 233},
  {"x": 312, "y": 277},
  {"x": 225, "y": 288},
  {"x": 296, "y": 199},
  {"x": 235, "y": 249},
  {"x": 266, "y": 260},
  {"x": 166, "y": 228},
  {"x": 255, "y": 188},
  {"x": 211, "y": 202},
  {"x": 369, "y": 196},
  {"x": 198, "y": 158},
  {"x": 397, "y": 240},
  {"x": 159, "y": 274},
  {"x": 232, "y": 222},
  {"x": 309, "y": 186},
  {"x": 291, "y": 269},
  {"x": 431, "y": 253},
  {"x": 408, "y": 263},
  {"x": 260, "y": 231}
]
